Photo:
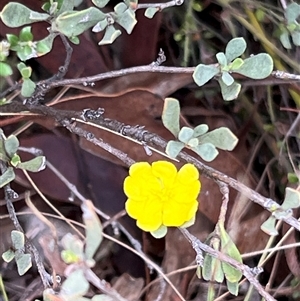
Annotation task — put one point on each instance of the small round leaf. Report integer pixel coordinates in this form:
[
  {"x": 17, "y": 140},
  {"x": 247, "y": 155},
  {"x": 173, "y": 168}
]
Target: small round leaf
[
  {"x": 11, "y": 145},
  {"x": 23, "y": 263},
  {"x": 110, "y": 35},
  {"x": 15, "y": 14},
  {"x": 160, "y": 232},
  {"x": 174, "y": 148},
  {"x": 222, "y": 60},
  {"x": 7, "y": 177},
  {"x": 229, "y": 92},
  {"x": 204, "y": 73},
  {"x": 5, "y": 70},
  {"x": 235, "y": 48},
  {"x": 269, "y": 226},
  {"x": 185, "y": 134},
  {"x": 150, "y": 12},
  {"x": 206, "y": 151},
  {"x": 227, "y": 79},
  {"x": 34, "y": 165},
  {"x": 170, "y": 115},
  {"x": 28, "y": 87},
  {"x": 257, "y": 66}
]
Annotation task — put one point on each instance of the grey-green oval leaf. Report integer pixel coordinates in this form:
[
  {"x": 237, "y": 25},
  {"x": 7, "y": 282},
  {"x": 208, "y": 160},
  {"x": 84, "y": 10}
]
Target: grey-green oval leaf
[
  {"x": 110, "y": 35},
  {"x": 74, "y": 23},
  {"x": 291, "y": 200},
  {"x": 200, "y": 130},
  {"x": 269, "y": 226},
  {"x": 174, "y": 148},
  {"x": 233, "y": 287},
  {"x": 150, "y": 12},
  {"x": 15, "y": 14},
  {"x": 292, "y": 12},
  {"x": 75, "y": 285},
  {"x": 160, "y": 232},
  {"x": 100, "y": 3},
  {"x": 229, "y": 92},
  {"x": 235, "y": 48},
  {"x": 204, "y": 73},
  {"x": 206, "y": 151},
  {"x": 11, "y": 145},
  {"x": 7, "y": 177},
  {"x": 221, "y": 138},
  {"x": 230, "y": 249},
  {"x": 18, "y": 239},
  {"x": 28, "y": 87},
  {"x": 221, "y": 58},
  {"x": 227, "y": 79},
  {"x": 23, "y": 263},
  {"x": 257, "y": 66},
  {"x": 34, "y": 165},
  {"x": 126, "y": 19},
  {"x": 185, "y": 134},
  {"x": 93, "y": 229},
  {"x": 170, "y": 115},
  {"x": 8, "y": 256}
]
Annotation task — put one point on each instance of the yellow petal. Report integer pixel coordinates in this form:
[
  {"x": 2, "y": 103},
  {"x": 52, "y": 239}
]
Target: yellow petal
[
  {"x": 140, "y": 168},
  {"x": 188, "y": 173},
  {"x": 165, "y": 171},
  {"x": 185, "y": 193},
  {"x": 134, "y": 209}
]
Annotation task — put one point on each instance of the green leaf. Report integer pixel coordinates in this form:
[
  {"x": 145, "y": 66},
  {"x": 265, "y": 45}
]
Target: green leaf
[
  {"x": 8, "y": 256},
  {"x": 73, "y": 246},
  {"x": 185, "y": 134},
  {"x": 44, "y": 46},
  {"x": 227, "y": 79},
  {"x": 74, "y": 23},
  {"x": 65, "y": 5},
  {"x": 126, "y": 18},
  {"x": 233, "y": 287},
  {"x": 292, "y": 178},
  {"x": 12, "y": 39},
  {"x": 25, "y": 34},
  {"x": 221, "y": 138},
  {"x": 160, "y": 232},
  {"x": 150, "y": 12},
  {"x": 5, "y": 70},
  {"x": 110, "y": 35},
  {"x": 26, "y": 52},
  {"x": 204, "y": 73},
  {"x": 269, "y": 226},
  {"x": 93, "y": 229},
  {"x": 296, "y": 38},
  {"x": 101, "y": 25},
  {"x": 15, "y": 14},
  {"x": 193, "y": 142},
  {"x": 18, "y": 239},
  {"x": 15, "y": 160},
  {"x": 257, "y": 66},
  {"x": 11, "y": 145},
  {"x": 230, "y": 249},
  {"x": 235, "y": 48},
  {"x": 28, "y": 87},
  {"x": 75, "y": 285},
  {"x": 221, "y": 58},
  {"x": 212, "y": 269},
  {"x": 26, "y": 72},
  {"x": 174, "y": 148},
  {"x": 170, "y": 115},
  {"x": 291, "y": 200},
  {"x": 292, "y": 12},
  {"x": 200, "y": 130},
  {"x": 7, "y": 177},
  {"x": 237, "y": 63},
  {"x": 23, "y": 263},
  {"x": 100, "y": 3},
  {"x": 206, "y": 151},
  {"x": 34, "y": 165},
  {"x": 229, "y": 92}
]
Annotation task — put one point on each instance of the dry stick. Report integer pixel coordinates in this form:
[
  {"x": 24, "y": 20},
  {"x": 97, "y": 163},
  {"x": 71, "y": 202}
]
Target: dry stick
[
  {"x": 248, "y": 272},
  {"x": 9, "y": 195}
]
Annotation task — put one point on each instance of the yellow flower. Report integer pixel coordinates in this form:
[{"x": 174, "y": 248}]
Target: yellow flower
[{"x": 159, "y": 196}]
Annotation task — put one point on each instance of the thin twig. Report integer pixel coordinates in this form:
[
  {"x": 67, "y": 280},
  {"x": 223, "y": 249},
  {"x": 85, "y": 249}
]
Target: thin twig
[{"x": 248, "y": 272}]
